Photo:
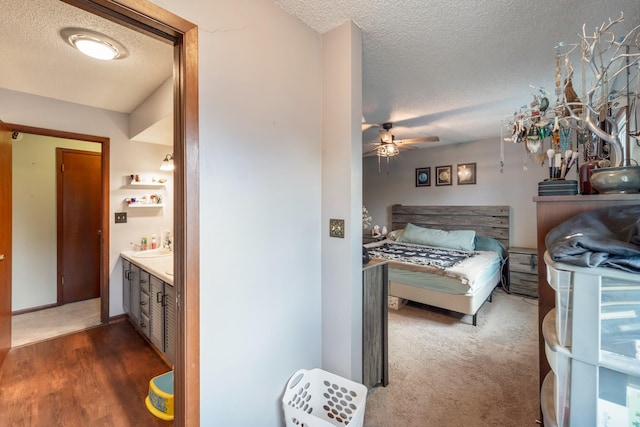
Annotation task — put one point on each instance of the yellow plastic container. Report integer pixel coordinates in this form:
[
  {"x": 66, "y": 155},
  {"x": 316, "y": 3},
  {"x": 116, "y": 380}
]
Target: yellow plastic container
[{"x": 160, "y": 400}]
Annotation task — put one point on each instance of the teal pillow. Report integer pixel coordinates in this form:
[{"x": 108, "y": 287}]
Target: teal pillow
[
  {"x": 455, "y": 239},
  {"x": 484, "y": 243}
]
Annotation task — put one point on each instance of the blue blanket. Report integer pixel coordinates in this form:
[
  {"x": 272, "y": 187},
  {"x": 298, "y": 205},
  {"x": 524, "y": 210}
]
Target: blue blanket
[{"x": 607, "y": 237}]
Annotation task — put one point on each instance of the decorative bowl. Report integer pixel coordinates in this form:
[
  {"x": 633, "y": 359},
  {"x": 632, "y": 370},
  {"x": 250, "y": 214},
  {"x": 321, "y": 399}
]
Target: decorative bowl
[{"x": 624, "y": 179}]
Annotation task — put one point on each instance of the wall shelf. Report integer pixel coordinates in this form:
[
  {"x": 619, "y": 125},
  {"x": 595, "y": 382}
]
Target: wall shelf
[
  {"x": 145, "y": 185},
  {"x": 144, "y": 205}
]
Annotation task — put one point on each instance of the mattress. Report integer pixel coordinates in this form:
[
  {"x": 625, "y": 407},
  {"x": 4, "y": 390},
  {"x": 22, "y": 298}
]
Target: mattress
[
  {"x": 464, "y": 277},
  {"x": 483, "y": 276}
]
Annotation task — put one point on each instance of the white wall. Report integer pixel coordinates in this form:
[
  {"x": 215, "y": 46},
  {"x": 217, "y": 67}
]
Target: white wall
[
  {"x": 260, "y": 158},
  {"x": 515, "y": 187},
  {"x": 34, "y": 218},
  {"x": 126, "y": 158},
  {"x": 341, "y": 199},
  {"x": 261, "y": 133}
]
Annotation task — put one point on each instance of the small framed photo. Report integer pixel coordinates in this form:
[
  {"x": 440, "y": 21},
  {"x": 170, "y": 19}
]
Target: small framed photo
[
  {"x": 443, "y": 175},
  {"x": 423, "y": 177},
  {"x": 466, "y": 173}
]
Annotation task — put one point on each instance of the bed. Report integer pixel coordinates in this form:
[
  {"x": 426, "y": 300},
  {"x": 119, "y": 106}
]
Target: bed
[{"x": 467, "y": 251}]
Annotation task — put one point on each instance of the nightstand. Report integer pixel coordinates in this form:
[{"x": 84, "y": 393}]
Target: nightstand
[
  {"x": 523, "y": 271},
  {"x": 371, "y": 239}
]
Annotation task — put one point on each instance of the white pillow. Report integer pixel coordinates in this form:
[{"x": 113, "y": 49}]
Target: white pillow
[{"x": 394, "y": 234}]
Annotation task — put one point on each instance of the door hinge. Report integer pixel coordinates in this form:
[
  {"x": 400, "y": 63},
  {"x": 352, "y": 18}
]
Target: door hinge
[
  {"x": 62, "y": 167},
  {"x": 62, "y": 280},
  {"x": 177, "y": 300}
]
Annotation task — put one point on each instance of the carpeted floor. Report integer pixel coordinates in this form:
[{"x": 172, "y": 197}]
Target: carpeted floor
[
  {"x": 52, "y": 322},
  {"x": 445, "y": 372}
]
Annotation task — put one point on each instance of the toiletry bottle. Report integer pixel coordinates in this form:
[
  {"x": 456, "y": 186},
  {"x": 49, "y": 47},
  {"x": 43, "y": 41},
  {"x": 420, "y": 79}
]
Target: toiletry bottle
[
  {"x": 144, "y": 244},
  {"x": 154, "y": 243}
]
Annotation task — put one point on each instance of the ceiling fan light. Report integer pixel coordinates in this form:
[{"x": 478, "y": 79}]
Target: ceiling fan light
[{"x": 388, "y": 150}]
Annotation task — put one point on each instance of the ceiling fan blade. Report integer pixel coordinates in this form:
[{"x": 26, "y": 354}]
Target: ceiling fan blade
[
  {"x": 418, "y": 140},
  {"x": 373, "y": 150},
  {"x": 366, "y": 126}
]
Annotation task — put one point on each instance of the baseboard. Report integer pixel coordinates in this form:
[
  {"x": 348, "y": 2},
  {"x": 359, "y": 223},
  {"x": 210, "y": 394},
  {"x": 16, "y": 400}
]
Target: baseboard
[
  {"x": 32, "y": 309},
  {"x": 118, "y": 318}
]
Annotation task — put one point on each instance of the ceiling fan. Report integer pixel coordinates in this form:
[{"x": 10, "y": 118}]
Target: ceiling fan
[{"x": 389, "y": 146}]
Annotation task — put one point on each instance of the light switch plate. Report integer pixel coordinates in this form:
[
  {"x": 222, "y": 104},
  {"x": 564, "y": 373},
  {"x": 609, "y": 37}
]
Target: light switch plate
[
  {"x": 336, "y": 228},
  {"x": 121, "y": 217}
]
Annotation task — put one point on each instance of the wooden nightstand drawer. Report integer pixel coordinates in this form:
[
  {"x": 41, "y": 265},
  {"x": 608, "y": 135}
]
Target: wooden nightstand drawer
[
  {"x": 523, "y": 284},
  {"x": 523, "y": 271},
  {"x": 524, "y": 262}
]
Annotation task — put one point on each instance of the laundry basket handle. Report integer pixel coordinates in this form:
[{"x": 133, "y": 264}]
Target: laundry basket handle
[{"x": 296, "y": 378}]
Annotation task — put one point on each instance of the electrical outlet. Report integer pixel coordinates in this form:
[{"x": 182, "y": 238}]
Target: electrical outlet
[
  {"x": 336, "y": 228},
  {"x": 121, "y": 217}
]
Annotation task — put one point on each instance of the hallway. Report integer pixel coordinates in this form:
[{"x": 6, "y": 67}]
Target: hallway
[
  {"x": 96, "y": 377},
  {"x": 53, "y": 322}
]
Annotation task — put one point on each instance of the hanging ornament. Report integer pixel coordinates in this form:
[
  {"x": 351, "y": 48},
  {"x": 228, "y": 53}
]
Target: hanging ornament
[
  {"x": 565, "y": 139},
  {"x": 544, "y": 104},
  {"x": 533, "y": 140},
  {"x": 558, "y": 76}
]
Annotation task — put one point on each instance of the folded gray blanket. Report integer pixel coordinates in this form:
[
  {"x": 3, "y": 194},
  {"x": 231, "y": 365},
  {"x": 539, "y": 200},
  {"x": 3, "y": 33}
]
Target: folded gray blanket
[{"x": 607, "y": 237}]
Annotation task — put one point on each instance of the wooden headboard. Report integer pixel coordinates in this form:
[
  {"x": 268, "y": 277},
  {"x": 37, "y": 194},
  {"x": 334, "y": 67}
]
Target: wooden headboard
[{"x": 490, "y": 221}]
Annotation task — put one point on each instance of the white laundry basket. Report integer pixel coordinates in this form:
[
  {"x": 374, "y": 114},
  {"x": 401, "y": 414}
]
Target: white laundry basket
[{"x": 317, "y": 398}]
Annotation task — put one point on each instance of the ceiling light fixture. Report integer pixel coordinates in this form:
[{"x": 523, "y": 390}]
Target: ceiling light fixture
[
  {"x": 93, "y": 44},
  {"x": 388, "y": 150},
  {"x": 167, "y": 163}
]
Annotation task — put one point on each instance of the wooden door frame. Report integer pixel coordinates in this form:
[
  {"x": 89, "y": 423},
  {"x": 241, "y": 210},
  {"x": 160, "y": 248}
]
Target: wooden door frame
[
  {"x": 6, "y": 251},
  {"x": 104, "y": 202},
  {"x": 161, "y": 24}
]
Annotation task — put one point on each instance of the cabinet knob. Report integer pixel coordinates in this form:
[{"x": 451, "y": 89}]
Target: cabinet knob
[{"x": 1, "y": 257}]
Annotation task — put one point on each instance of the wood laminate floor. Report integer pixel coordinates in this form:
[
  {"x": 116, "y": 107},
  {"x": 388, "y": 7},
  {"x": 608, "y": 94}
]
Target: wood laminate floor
[{"x": 97, "y": 377}]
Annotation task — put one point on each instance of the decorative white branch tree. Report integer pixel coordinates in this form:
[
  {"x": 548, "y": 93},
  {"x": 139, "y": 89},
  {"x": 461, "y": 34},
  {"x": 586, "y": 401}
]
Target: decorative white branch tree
[{"x": 606, "y": 57}]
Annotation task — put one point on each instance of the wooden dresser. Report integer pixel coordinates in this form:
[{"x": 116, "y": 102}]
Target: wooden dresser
[{"x": 551, "y": 211}]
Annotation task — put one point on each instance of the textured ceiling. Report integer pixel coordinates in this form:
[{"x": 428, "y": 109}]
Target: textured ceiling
[
  {"x": 451, "y": 68},
  {"x": 455, "y": 68},
  {"x": 37, "y": 61}
]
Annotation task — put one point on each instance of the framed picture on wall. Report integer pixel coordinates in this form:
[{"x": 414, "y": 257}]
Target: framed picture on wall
[
  {"x": 423, "y": 177},
  {"x": 443, "y": 175},
  {"x": 466, "y": 173}
]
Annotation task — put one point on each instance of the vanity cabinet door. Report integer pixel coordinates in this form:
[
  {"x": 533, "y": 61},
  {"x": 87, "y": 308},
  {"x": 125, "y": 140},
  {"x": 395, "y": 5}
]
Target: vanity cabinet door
[
  {"x": 157, "y": 312},
  {"x": 126, "y": 286}
]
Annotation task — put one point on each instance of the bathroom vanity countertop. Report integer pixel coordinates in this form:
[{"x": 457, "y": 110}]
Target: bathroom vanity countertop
[{"x": 156, "y": 262}]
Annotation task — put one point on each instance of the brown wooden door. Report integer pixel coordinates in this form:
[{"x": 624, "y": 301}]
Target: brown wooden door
[
  {"x": 5, "y": 240},
  {"x": 79, "y": 234}
]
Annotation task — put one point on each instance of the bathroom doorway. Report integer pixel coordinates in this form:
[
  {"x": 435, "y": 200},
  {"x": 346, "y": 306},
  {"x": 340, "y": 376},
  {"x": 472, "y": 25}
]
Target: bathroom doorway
[{"x": 79, "y": 210}]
